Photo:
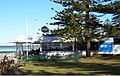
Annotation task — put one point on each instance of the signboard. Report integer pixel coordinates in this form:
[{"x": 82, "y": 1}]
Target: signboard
[{"x": 105, "y": 47}]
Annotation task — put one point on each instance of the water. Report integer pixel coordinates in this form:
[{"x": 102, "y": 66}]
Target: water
[{"x": 7, "y": 50}]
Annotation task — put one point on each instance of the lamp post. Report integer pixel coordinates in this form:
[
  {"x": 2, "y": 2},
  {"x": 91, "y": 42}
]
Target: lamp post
[{"x": 45, "y": 30}]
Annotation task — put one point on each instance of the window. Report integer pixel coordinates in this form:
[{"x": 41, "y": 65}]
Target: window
[{"x": 116, "y": 40}]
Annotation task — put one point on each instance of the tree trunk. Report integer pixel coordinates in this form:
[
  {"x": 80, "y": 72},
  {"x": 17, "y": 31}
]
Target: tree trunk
[
  {"x": 87, "y": 37},
  {"x": 87, "y": 46}
]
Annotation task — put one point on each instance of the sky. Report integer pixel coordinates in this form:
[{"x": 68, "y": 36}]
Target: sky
[{"x": 13, "y": 15}]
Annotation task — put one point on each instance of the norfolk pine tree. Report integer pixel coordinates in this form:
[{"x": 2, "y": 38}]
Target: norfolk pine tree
[
  {"x": 111, "y": 8},
  {"x": 77, "y": 18}
]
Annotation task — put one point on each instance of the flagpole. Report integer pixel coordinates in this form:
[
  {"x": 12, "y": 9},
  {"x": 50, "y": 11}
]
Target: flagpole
[{"x": 27, "y": 36}]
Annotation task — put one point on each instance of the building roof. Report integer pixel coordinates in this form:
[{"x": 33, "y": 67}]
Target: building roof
[
  {"x": 23, "y": 39},
  {"x": 49, "y": 39}
]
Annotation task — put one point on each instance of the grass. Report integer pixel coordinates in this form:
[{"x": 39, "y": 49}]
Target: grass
[
  {"x": 7, "y": 51},
  {"x": 109, "y": 65}
]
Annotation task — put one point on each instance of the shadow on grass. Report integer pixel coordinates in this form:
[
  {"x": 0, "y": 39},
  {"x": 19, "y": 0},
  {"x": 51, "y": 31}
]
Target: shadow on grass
[
  {"x": 79, "y": 68},
  {"x": 110, "y": 57},
  {"x": 95, "y": 67}
]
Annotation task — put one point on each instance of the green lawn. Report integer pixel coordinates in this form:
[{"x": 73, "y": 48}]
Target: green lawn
[{"x": 85, "y": 66}]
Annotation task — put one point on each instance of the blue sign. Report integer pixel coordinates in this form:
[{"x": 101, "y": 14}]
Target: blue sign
[{"x": 105, "y": 47}]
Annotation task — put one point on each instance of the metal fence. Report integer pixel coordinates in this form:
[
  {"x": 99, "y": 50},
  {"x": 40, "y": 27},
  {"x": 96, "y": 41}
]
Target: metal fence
[{"x": 72, "y": 56}]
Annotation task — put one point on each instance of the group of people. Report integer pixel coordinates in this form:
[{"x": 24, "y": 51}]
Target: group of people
[
  {"x": 6, "y": 63},
  {"x": 34, "y": 52}
]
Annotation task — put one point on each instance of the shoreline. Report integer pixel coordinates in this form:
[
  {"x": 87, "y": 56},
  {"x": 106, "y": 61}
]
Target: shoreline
[{"x": 7, "y": 51}]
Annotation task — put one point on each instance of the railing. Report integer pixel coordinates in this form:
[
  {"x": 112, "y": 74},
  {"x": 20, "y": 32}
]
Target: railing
[{"x": 71, "y": 56}]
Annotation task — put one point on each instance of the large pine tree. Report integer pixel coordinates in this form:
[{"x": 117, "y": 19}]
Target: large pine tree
[
  {"x": 78, "y": 18},
  {"x": 116, "y": 8},
  {"x": 111, "y": 8}
]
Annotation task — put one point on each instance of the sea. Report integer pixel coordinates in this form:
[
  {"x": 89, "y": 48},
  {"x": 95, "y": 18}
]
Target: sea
[{"x": 7, "y": 50}]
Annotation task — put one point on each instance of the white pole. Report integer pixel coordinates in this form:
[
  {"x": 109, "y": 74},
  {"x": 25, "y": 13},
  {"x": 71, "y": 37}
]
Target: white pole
[{"x": 27, "y": 36}]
